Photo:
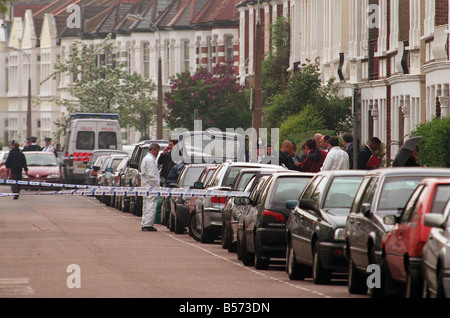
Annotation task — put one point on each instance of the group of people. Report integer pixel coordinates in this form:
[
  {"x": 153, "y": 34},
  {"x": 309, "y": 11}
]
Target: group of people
[
  {"x": 324, "y": 153},
  {"x": 16, "y": 161}
]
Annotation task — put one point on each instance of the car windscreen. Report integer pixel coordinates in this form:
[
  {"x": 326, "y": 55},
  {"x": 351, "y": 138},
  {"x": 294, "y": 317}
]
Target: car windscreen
[
  {"x": 107, "y": 140},
  {"x": 288, "y": 188},
  {"x": 396, "y": 192},
  {"x": 341, "y": 193},
  {"x": 41, "y": 160}
]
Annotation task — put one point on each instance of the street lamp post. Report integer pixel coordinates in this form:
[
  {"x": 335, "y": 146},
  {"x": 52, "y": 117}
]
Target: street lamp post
[
  {"x": 29, "y": 90},
  {"x": 159, "y": 104}
]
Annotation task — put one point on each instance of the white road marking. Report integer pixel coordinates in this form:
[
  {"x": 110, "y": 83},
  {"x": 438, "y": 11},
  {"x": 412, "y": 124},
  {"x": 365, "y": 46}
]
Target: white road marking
[{"x": 15, "y": 287}]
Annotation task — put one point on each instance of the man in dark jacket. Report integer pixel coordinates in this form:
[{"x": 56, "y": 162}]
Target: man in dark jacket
[
  {"x": 372, "y": 148},
  {"x": 16, "y": 161},
  {"x": 284, "y": 157},
  {"x": 165, "y": 160},
  {"x": 31, "y": 145},
  {"x": 314, "y": 159}
]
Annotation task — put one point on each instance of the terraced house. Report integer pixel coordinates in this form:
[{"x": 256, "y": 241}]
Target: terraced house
[
  {"x": 188, "y": 34},
  {"x": 394, "y": 52}
]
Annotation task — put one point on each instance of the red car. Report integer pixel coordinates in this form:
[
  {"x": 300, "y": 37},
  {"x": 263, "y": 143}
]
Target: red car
[
  {"x": 402, "y": 247},
  {"x": 42, "y": 167}
]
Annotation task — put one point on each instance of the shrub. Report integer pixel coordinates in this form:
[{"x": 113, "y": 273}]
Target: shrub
[{"x": 434, "y": 150}]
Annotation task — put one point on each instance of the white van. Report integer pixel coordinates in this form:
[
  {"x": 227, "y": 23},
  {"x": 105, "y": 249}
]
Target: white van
[{"x": 88, "y": 132}]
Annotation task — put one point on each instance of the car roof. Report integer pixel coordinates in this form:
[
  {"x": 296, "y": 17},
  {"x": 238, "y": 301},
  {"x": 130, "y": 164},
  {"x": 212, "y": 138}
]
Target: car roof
[
  {"x": 405, "y": 171},
  {"x": 343, "y": 173}
]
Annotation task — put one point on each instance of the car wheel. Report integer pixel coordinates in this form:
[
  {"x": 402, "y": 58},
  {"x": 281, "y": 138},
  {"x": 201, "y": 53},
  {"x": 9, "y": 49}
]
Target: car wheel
[
  {"x": 320, "y": 275},
  {"x": 193, "y": 231},
  {"x": 261, "y": 262},
  {"x": 205, "y": 234},
  {"x": 239, "y": 246},
  {"x": 356, "y": 280},
  {"x": 440, "y": 284},
  {"x": 414, "y": 286},
  {"x": 179, "y": 226},
  {"x": 293, "y": 269},
  {"x": 224, "y": 240},
  {"x": 248, "y": 258}
]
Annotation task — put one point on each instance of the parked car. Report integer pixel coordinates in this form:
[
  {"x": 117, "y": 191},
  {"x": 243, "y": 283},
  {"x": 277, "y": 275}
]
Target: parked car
[
  {"x": 436, "y": 255},
  {"x": 209, "y": 217},
  {"x": 315, "y": 228},
  {"x": 89, "y": 177},
  {"x": 96, "y": 167},
  {"x": 179, "y": 208},
  {"x": 383, "y": 192},
  {"x": 3, "y": 170},
  {"x": 231, "y": 211},
  {"x": 402, "y": 246},
  {"x": 204, "y": 178},
  {"x": 262, "y": 227},
  {"x": 105, "y": 173},
  {"x": 42, "y": 167},
  {"x": 116, "y": 181}
]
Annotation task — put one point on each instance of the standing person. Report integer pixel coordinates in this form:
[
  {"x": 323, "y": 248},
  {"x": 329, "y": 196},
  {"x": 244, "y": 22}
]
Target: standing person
[
  {"x": 31, "y": 145},
  {"x": 347, "y": 139},
  {"x": 165, "y": 160},
  {"x": 16, "y": 161},
  {"x": 284, "y": 157},
  {"x": 150, "y": 178},
  {"x": 325, "y": 143},
  {"x": 371, "y": 149},
  {"x": 336, "y": 159},
  {"x": 314, "y": 159},
  {"x": 318, "y": 138},
  {"x": 48, "y": 147}
]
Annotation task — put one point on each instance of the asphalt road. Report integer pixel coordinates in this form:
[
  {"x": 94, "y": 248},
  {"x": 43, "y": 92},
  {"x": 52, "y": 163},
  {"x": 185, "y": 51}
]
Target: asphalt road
[{"x": 65, "y": 246}]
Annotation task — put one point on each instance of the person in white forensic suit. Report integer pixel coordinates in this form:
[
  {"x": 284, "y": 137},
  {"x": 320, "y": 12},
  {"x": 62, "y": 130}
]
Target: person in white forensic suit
[{"x": 150, "y": 178}]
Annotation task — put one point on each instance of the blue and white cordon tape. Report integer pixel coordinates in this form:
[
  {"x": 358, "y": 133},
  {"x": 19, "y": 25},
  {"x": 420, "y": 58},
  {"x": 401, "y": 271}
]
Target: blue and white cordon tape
[{"x": 89, "y": 190}]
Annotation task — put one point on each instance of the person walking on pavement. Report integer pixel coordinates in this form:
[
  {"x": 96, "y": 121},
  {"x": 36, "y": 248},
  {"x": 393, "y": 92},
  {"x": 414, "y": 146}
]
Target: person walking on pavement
[
  {"x": 336, "y": 159},
  {"x": 16, "y": 162},
  {"x": 150, "y": 178}
]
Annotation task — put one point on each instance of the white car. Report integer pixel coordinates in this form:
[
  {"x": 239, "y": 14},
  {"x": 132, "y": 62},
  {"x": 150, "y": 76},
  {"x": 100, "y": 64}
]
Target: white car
[{"x": 436, "y": 255}]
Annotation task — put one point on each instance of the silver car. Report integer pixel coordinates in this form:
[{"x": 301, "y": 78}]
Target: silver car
[
  {"x": 436, "y": 255},
  {"x": 208, "y": 209}
]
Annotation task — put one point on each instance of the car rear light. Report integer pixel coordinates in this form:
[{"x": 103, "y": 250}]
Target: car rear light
[
  {"x": 269, "y": 216},
  {"x": 218, "y": 199}
]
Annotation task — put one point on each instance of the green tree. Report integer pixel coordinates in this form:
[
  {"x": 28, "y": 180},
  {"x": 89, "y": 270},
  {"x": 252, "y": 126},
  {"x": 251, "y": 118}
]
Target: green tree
[
  {"x": 101, "y": 84},
  {"x": 214, "y": 97},
  {"x": 434, "y": 150},
  {"x": 274, "y": 68},
  {"x": 305, "y": 87}
]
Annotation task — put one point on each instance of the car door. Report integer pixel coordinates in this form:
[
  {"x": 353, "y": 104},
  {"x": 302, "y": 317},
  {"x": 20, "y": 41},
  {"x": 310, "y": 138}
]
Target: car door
[
  {"x": 400, "y": 237},
  {"x": 359, "y": 223},
  {"x": 307, "y": 220}
]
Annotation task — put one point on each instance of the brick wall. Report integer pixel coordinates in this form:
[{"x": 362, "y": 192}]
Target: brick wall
[{"x": 441, "y": 12}]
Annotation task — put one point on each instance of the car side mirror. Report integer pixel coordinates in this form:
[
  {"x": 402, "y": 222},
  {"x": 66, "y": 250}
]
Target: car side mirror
[
  {"x": 307, "y": 204},
  {"x": 242, "y": 201},
  {"x": 198, "y": 185},
  {"x": 291, "y": 204},
  {"x": 390, "y": 219},
  {"x": 366, "y": 209},
  {"x": 434, "y": 220}
]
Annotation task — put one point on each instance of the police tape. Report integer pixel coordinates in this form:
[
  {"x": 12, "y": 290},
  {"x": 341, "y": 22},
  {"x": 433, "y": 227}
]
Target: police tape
[{"x": 90, "y": 190}]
